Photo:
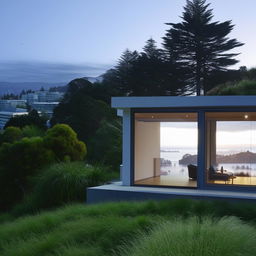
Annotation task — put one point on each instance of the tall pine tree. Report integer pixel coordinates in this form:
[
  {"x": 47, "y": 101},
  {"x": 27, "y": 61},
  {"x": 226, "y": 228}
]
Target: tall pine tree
[{"x": 199, "y": 46}]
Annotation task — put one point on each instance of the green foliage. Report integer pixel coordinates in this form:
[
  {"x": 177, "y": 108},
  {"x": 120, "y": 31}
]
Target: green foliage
[
  {"x": 62, "y": 183},
  {"x": 69, "y": 231},
  {"x": 10, "y": 135},
  {"x": 32, "y": 131},
  {"x": 62, "y": 140},
  {"x": 19, "y": 161},
  {"x": 244, "y": 87},
  {"x": 82, "y": 113},
  {"x": 106, "y": 145},
  {"x": 23, "y": 158},
  {"x": 103, "y": 228},
  {"x": 32, "y": 118},
  {"x": 227, "y": 236}
]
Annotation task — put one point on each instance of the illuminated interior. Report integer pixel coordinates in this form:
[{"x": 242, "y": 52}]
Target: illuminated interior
[
  {"x": 231, "y": 148},
  {"x": 165, "y": 144}
]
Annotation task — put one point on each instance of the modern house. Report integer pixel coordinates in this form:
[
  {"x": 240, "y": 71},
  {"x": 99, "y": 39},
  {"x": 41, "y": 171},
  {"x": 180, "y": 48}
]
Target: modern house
[{"x": 192, "y": 147}]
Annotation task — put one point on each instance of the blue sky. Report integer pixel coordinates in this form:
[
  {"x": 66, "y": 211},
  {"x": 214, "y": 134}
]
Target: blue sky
[{"x": 92, "y": 34}]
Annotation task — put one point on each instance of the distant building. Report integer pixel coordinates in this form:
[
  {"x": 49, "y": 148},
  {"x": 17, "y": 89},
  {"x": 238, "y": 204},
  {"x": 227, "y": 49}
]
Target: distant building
[
  {"x": 5, "y": 116},
  {"x": 29, "y": 97},
  {"x": 11, "y": 105},
  {"x": 45, "y": 107},
  {"x": 42, "y": 96},
  {"x": 46, "y": 96}
]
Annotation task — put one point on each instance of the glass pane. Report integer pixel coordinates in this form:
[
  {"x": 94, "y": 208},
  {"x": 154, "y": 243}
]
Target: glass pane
[
  {"x": 231, "y": 148},
  {"x": 165, "y": 145}
]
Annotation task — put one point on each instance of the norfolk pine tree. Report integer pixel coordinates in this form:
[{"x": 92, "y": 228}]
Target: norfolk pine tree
[{"x": 200, "y": 46}]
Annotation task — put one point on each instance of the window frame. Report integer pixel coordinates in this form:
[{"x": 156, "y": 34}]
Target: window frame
[
  {"x": 156, "y": 110},
  {"x": 201, "y": 182}
]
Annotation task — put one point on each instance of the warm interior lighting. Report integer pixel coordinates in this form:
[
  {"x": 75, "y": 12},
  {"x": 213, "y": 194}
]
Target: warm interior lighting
[{"x": 246, "y": 116}]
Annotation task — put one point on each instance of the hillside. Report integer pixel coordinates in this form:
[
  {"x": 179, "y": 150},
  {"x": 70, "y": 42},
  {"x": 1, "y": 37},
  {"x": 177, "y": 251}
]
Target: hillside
[{"x": 95, "y": 230}]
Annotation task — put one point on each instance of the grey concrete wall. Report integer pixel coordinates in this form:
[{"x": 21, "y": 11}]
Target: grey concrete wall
[{"x": 126, "y": 154}]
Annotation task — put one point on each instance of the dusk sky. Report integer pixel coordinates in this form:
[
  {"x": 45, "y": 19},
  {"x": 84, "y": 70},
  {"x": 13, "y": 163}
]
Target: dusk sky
[{"x": 43, "y": 39}]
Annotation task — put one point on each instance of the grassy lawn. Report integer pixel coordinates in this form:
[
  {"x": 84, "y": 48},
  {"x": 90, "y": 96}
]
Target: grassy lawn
[{"x": 106, "y": 229}]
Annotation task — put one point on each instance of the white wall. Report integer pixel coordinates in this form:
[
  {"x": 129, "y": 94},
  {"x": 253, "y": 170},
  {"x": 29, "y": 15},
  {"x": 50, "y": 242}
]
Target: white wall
[{"x": 147, "y": 147}]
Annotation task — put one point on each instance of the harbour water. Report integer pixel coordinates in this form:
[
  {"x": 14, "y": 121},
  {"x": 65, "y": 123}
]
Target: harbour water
[{"x": 175, "y": 169}]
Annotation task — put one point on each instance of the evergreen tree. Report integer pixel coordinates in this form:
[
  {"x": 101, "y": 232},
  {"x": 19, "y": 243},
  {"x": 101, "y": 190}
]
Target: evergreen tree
[
  {"x": 151, "y": 51},
  {"x": 154, "y": 76},
  {"x": 124, "y": 71},
  {"x": 147, "y": 72},
  {"x": 199, "y": 46},
  {"x": 144, "y": 74}
]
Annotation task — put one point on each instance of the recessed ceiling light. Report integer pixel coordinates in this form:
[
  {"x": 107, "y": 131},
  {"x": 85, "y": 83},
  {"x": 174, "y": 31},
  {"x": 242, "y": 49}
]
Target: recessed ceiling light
[{"x": 246, "y": 116}]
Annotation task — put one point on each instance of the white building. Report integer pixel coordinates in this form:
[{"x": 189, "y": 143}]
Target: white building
[
  {"x": 5, "y": 116},
  {"x": 45, "y": 107},
  {"x": 11, "y": 105},
  {"x": 42, "y": 96}
]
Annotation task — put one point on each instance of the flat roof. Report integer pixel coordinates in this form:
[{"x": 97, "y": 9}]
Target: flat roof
[
  {"x": 183, "y": 101},
  {"x": 12, "y": 113},
  {"x": 46, "y": 103}
]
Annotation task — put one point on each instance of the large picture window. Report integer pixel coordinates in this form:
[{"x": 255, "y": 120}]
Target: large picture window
[
  {"x": 231, "y": 148},
  {"x": 165, "y": 149}
]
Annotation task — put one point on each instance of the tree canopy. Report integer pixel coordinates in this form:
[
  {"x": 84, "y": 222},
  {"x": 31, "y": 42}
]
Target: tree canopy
[{"x": 33, "y": 118}]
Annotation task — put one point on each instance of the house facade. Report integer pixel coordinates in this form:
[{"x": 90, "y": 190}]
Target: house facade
[{"x": 199, "y": 145}]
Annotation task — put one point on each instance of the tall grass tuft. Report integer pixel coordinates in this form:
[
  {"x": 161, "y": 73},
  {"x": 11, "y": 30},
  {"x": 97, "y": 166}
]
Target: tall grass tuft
[
  {"x": 60, "y": 184},
  {"x": 195, "y": 237}
]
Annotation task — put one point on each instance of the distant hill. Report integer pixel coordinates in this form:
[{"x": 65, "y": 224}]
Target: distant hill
[
  {"x": 242, "y": 157},
  {"x": 97, "y": 79},
  {"x": 16, "y": 88}
]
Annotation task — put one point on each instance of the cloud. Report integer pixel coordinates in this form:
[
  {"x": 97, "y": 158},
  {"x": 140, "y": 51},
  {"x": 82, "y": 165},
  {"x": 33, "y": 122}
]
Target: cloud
[{"x": 48, "y": 72}]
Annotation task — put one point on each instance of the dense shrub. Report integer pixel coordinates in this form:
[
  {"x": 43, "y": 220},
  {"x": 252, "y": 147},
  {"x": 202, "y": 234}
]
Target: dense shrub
[
  {"x": 20, "y": 161},
  {"x": 244, "y": 87},
  {"x": 32, "y": 118},
  {"x": 32, "y": 131},
  {"x": 106, "y": 145},
  {"x": 62, "y": 183},
  {"x": 82, "y": 113},
  {"x": 62, "y": 140},
  {"x": 227, "y": 236},
  {"x": 10, "y": 134}
]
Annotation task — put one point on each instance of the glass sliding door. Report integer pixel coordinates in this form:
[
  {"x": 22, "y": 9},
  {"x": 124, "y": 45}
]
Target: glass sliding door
[
  {"x": 231, "y": 148},
  {"x": 165, "y": 149}
]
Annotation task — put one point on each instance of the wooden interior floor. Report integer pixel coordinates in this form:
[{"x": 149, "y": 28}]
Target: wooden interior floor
[
  {"x": 249, "y": 181},
  {"x": 166, "y": 180}
]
